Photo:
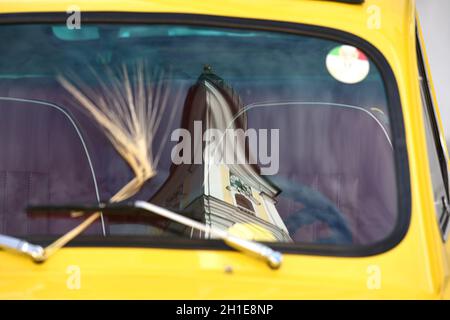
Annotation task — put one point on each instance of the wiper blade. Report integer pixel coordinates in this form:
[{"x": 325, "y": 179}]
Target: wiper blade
[
  {"x": 271, "y": 257},
  {"x": 34, "y": 251}
]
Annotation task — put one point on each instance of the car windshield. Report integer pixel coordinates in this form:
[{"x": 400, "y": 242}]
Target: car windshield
[{"x": 272, "y": 136}]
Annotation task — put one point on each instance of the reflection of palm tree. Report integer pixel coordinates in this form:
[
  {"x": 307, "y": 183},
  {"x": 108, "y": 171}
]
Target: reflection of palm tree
[
  {"x": 129, "y": 111},
  {"x": 316, "y": 207}
]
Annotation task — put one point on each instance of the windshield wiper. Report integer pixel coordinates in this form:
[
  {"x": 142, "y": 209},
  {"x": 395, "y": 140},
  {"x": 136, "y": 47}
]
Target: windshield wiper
[
  {"x": 34, "y": 251},
  {"x": 271, "y": 257}
]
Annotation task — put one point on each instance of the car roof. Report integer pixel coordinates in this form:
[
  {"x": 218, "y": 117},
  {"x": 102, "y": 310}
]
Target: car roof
[
  {"x": 383, "y": 23},
  {"x": 206, "y": 6}
]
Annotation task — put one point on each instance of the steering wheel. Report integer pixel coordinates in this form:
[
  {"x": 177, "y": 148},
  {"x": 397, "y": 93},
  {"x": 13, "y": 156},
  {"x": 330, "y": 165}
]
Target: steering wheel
[{"x": 317, "y": 207}]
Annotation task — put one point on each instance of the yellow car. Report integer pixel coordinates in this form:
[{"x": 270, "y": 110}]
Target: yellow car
[{"x": 272, "y": 149}]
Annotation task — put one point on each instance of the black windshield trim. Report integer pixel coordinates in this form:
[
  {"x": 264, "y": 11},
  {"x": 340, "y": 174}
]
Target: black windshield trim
[{"x": 393, "y": 98}]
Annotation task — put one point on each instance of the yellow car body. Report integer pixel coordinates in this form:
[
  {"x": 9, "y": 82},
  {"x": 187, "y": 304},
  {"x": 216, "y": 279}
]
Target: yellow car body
[{"x": 417, "y": 267}]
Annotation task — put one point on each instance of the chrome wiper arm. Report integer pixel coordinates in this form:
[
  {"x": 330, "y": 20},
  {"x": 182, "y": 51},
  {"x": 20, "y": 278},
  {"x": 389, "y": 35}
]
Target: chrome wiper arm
[
  {"x": 273, "y": 258},
  {"x": 259, "y": 250},
  {"x": 34, "y": 251}
]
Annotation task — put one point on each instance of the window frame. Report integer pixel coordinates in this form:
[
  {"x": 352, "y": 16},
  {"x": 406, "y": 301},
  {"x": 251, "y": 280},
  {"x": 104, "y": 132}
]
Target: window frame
[
  {"x": 237, "y": 195},
  {"x": 392, "y": 95},
  {"x": 429, "y": 110}
]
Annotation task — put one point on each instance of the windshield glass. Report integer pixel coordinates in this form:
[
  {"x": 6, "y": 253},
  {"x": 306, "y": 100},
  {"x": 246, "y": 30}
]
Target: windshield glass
[{"x": 272, "y": 136}]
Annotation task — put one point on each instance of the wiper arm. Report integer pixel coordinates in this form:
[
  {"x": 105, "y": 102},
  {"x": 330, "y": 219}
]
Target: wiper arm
[
  {"x": 252, "y": 248},
  {"x": 34, "y": 251},
  {"x": 272, "y": 258}
]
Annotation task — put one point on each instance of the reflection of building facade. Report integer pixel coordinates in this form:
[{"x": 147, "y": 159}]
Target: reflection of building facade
[{"x": 223, "y": 195}]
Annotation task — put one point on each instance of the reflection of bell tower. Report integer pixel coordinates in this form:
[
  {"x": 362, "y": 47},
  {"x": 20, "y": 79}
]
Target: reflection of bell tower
[{"x": 224, "y": 195}]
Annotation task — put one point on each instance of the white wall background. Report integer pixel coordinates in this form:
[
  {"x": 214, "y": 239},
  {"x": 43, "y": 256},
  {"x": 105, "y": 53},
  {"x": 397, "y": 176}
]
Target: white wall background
[{"x": 434, "y": 17}]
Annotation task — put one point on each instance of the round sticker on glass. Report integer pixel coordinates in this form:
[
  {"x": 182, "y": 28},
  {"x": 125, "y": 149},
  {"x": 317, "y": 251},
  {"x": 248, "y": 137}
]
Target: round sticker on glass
[{"x": 347, "y": 64}]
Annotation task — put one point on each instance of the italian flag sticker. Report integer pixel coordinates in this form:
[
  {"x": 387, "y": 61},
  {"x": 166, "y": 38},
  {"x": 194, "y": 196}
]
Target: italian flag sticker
[{"x": 347, "y": 64}]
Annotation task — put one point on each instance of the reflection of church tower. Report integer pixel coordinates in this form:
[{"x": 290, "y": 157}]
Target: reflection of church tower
[{"x": 227, "y": 196}]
